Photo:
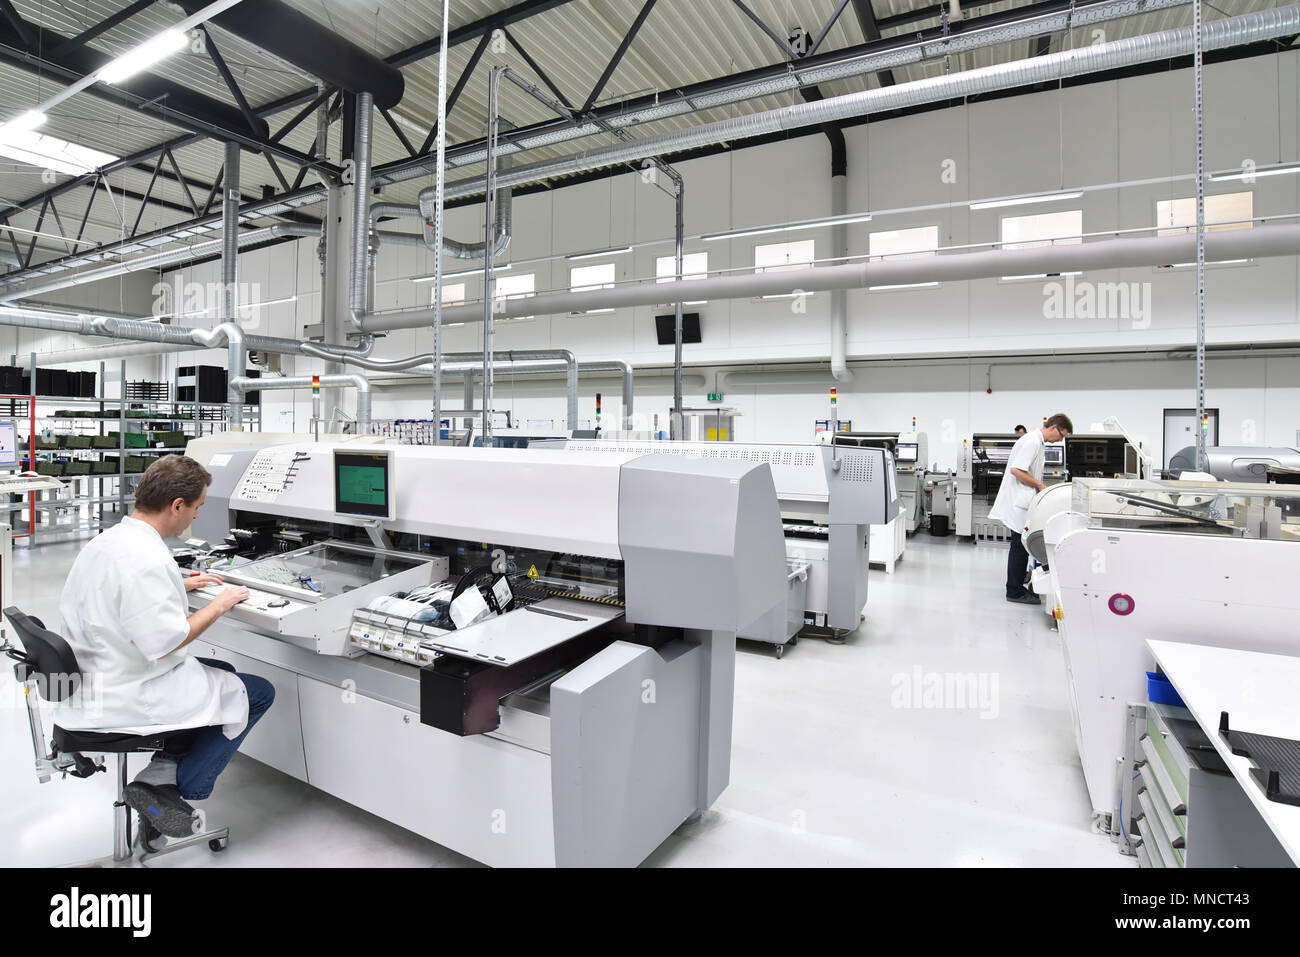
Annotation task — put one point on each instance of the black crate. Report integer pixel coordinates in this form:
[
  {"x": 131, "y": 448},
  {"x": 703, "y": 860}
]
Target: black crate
[
  {"x": 86, "y": 384},
  {"x": 211, "y": 384}
]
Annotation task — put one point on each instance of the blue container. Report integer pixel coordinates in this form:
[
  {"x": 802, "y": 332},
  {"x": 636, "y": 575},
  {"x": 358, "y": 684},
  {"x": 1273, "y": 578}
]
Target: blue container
[{"x": 1161, "y": 691}]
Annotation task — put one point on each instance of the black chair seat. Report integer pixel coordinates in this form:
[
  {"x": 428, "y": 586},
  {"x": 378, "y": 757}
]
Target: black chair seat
[{"x": 109, "y": 742}]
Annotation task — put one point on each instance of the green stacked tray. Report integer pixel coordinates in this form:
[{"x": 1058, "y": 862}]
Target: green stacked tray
[
  {"x": 106, "y": 467},
  {"x": 169, "y": 439},
  {"x": 76, "y": 441},
  {"x": 49, "y": 468},
  {"x": 134, "y": 440},
  {"x": 76, "y": 467},
  {"x": 137, "y": 463},
  {"x": 103, "y": 441}
]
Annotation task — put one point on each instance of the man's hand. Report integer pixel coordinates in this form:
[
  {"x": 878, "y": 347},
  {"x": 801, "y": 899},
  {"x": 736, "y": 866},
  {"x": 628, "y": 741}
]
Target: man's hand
[
  {"x": 229, "y": 597},
  {"x": 198, "y": 581}
]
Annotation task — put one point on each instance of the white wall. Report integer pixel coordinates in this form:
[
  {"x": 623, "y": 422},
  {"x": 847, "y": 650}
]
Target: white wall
[{"x": 1096, "y": 134}]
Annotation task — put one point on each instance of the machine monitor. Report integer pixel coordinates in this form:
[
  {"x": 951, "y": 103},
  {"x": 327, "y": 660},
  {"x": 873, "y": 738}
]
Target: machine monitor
[
  {"x": 8, "y": 445},
  {"x": 1054, "y": 455},
  {"x": 363, "y": 484},
  {"x": 666, "y": 328},
  {"x": 906, "y": 452}
]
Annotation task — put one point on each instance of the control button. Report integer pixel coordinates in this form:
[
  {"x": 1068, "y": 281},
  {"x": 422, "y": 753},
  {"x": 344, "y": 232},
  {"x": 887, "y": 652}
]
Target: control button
[{"x": 278, "y": 604}]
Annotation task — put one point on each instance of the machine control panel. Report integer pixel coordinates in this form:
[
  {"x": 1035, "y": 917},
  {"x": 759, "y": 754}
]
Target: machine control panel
[{"x": 270, "y": 474}]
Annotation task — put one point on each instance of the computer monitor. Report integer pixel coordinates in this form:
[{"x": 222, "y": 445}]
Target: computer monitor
[
  {"x": 666, "y": 328},
  {"x": 906, "y": 452},
  {"x": 1054, "y": 455},
  {"x": 363, "y": 483},
  {"x": 8, "y": 445}
]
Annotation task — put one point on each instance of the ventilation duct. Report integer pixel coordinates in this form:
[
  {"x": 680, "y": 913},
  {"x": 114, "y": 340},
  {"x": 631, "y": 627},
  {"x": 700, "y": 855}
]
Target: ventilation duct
[{"x": 1218, "y": 34}]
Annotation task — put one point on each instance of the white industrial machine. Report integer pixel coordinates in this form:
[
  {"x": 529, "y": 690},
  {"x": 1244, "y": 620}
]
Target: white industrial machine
[
  {"x": 980, "y": 466},
  {"x": 527, "y": 656},
  {"x": 1194, "y": 562},
  {"x": 830, "y": 499},
  {"x": 911, "y": 451}
]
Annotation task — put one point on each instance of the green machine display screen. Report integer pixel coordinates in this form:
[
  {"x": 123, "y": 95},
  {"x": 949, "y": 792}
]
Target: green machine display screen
[{"x": 362, "y": 484}]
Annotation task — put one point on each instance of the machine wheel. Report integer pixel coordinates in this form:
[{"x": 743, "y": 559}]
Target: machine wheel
[
  {"x": 794, "y": 640},
  {"x": 780, "y": 650},
  {"x": 218, "y": 844}
]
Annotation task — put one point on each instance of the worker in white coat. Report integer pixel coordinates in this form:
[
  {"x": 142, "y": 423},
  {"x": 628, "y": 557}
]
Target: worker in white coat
[
  {"x": 126, "y": 617},
  {"x": 1022, "y": 480}
]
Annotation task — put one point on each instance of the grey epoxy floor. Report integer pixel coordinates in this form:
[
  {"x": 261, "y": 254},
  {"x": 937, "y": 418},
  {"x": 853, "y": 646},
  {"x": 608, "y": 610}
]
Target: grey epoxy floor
[{"x": 835, "y": 760}]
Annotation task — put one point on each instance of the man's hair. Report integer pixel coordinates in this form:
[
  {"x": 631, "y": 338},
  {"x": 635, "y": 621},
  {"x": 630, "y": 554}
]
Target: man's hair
[
  {"x": 170, "y": 478},
  {"x": 1019, "y": 428},
  {"x": 1061, "y": 421}
]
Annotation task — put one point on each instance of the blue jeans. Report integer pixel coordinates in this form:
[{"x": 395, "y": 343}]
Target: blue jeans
[{"x": 203, "y": 753}]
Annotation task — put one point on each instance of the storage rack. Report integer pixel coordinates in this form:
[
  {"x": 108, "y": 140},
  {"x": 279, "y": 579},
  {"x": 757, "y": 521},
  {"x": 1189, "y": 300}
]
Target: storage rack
[{"x": 96, "y": 506}]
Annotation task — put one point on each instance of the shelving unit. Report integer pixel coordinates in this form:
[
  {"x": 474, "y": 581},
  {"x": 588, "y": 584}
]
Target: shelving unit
[{"x": 95, "y": 501}]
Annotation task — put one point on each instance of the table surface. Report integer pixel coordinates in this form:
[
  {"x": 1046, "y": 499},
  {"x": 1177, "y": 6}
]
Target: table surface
[{"x": 1259, "y": 693}]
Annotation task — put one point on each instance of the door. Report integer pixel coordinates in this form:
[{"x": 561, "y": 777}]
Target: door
[{"x": 1180, "y": 431}]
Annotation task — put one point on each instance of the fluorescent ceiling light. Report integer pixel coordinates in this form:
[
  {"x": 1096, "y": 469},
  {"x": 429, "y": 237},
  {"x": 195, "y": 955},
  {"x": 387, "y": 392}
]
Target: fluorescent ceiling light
[
  {"x": 1274, "y": 170},
  {"x": 50, "y": 152},
  {"x": 23, "y": 123},
  {"x": 905, "y": 285},
  {"x": 238, "y": 307},
  {"x": 599, "y": 253},
  {"x": 789, "y": 295},
  {"x": 590, "y": 312},
  {"x": 790, "y": 227},
  {"x": 1040, "y": 275},
  {"x": 142, "y": 57},
  {"x": 457, "y": 275},
  {"x": 1025, "y": 200}
]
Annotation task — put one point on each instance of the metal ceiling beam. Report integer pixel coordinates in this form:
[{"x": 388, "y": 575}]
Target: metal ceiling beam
[
  {"x": 617, "y": 58},
  {"x": 178, "y": 104},
  {"x": 776, "y": 37},
  {"x": 496, "y": 21},
  {"x": 613, "y": 111},
  {"x": 934, "y": 12},
  {"x": 103, "y": 26},
  {"x": 866, "y": 14},
  {"x": 532, "y": 65},
  {"x": 459, "y": 88},
  {"x": 830, "y": 22}
]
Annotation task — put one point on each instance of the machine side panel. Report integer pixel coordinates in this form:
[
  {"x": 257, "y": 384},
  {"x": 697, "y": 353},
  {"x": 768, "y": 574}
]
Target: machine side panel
[
  {"x": 863, "y": 487},
  {"x": 482, "y": 797},
  {"x": 276, "y": 740},
  {"x": 214, "y": 518},
  {"x": 1202, "y": 590},
  {"x": 625, "y": 729},
  {"x": 702, "y": 542}
]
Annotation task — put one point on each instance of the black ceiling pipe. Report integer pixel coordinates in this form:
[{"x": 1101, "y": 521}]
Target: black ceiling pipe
[
  {"x": 43, "y": 56},
  {"x": 311, "y": 47}
]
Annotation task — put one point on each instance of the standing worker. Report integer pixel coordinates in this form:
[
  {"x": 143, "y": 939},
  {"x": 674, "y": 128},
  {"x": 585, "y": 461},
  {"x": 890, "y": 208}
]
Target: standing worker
[
  {"x": 125, "y": 616},
  {"x": 1022, "y": 480}
]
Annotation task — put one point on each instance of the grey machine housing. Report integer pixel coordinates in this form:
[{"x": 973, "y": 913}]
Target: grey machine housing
[
  {"x": 1237, "y": 463},
  {"x": 594, "y": 766}
]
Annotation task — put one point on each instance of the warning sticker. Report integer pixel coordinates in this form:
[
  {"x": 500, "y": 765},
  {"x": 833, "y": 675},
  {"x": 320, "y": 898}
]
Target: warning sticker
[{"x": 532, "y": 571}]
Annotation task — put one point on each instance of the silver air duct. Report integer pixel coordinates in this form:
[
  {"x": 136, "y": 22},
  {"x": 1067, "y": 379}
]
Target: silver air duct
[
  {"x": 1260, "y": 242},
  {"x": 1249, "y": 28},
  {"x": 919, "y": 51}
]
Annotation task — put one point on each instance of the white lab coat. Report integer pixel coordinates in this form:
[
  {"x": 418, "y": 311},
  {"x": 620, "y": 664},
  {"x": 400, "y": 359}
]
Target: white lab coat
[
  {"x": 124, "y": 612},
  {"x": 1011, "y": 507}
]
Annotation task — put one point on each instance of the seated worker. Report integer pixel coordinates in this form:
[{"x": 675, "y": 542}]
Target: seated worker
[{"x": 126, "y": 618}]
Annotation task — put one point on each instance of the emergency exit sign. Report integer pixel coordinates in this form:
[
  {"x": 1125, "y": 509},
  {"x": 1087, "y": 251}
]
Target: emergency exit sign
[{"x": 715, "y": 396}]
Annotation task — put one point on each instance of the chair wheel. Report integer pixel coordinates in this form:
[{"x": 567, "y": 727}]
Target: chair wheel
[
  {"x": 780, "y": 650},
  {"x": 218, "y": 844}
]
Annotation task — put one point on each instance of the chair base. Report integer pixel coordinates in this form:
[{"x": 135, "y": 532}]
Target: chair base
[
  {"x": 140, "y": 856},
  {"x": 135, "y": 853}
]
